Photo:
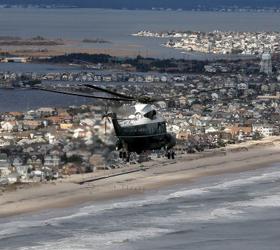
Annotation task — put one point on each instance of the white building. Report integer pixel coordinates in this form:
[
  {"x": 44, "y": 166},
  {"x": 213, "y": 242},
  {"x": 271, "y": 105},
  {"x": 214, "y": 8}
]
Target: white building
[
  {"x": 266, "y": 64},
  {"x": 263, "y": 129}
]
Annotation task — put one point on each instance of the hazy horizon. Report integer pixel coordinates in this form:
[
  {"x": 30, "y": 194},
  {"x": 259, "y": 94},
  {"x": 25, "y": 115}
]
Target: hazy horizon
[{"x": 149, "y": 4}]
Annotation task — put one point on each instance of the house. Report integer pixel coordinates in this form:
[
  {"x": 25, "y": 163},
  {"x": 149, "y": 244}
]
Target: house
[
  {"x": 22, "y": 170},
  {"x": 87, "y": 122},
  {"x": 66, "y": 126},
  {"x": 31, "y": 141},
  {"x": 52, "y": 161},
  {"x": 35, "y": 161},
  {"x": 17, "y": 115},
  {"x": 195, "y": 120},
  {"x": 31, "y": 115},
  {"x": 96, "y": 159},
  {"x": 32, "y": 124},
  {"x": 9, "y": 126},
  {"x": 3, "y": 181},
  {"x": 50, "y": 138},
  {"x": 37, "y": 174},
  {"x": 72, "y": 168},
  {"x": 264, "y": 129},
  {"x": 65, "y": 117},
  {"x": 5, "y": 166},
  {"x": 183, "y": 101},
  {"x": 210, "y": 130},
  {"x": 45, "y": 112},
  {"x": 239, "y": 130},
  {"x": 183, "y": 135},
  {"x": 13, "y": 178},
  {"x": 17, "y": 161},
  {"x": 56, "y": 120},
  {"x": 84, "y": 154},
  {"x": 4, "y": 143},
  {"x": 210, "y": 69},
  {"x": 79, "y": 133}
]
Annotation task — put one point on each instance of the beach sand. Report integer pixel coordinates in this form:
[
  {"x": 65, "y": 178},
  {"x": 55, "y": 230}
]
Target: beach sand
[{"x": 159, "y": 173}]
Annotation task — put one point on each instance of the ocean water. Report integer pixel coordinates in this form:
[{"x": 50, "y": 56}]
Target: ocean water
[
  {"x": 35, "y": 67},
  {"x": 232, "y": 211},
  {"x": 24, "y": 100},
  {"x": 117, "y": 26}
]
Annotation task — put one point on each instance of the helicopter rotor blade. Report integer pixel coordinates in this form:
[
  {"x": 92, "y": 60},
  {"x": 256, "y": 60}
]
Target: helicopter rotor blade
[
  {"x": 83, "y": 95},
  {"x": 109, "y": 91},
  {"x": 141, "y": 99}
]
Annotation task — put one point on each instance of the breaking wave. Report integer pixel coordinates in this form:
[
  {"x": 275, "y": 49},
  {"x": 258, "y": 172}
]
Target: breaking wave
[
  {"x": 186, "y": 205},
  {"x": 111, "y": 240}
]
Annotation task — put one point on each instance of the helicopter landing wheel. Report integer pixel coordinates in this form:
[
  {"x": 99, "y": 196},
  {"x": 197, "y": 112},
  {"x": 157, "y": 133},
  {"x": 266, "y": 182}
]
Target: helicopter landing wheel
[
  {"x": 128, "y": 157},
  {"x": 121, "y": 154},
  {"x": 124, "y": 155}
]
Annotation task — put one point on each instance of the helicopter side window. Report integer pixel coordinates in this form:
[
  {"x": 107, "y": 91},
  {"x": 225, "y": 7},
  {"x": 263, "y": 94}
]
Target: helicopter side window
[{"x": 151, "y": 115}]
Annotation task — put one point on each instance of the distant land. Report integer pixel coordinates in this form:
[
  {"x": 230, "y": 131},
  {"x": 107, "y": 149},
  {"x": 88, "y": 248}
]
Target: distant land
[{"x": 226, "y": 5}]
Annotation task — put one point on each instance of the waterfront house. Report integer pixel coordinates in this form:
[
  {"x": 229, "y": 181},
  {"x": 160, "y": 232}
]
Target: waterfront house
[
  {"x": 265, "y": 130},
  {"x": 71, "y": 168},
  {"x": 52, "y": 161},
  {"x": 35, "y": 160},
  {"x": 5, "y": 166},
  {"x": 237, "y": 130},
  {"x": 22, "y": 170},
  {"x": 13, "y": 178}
]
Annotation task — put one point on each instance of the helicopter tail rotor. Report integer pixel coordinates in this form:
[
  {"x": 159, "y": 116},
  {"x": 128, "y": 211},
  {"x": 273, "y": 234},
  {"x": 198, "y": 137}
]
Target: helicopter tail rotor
[{"x": 106, "y": 117}]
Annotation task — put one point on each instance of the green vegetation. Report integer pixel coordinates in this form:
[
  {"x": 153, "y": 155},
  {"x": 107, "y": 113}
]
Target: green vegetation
[
  {"x": 32, "y": 83},
  {"x": 72, "y": 159},
  {"x": 257, "y": 136},
  {"x": 139, "y": 63}
]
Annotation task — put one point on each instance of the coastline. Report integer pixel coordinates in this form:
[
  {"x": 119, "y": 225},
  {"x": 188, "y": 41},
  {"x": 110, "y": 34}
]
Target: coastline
[{"x": 158, "y": 174}]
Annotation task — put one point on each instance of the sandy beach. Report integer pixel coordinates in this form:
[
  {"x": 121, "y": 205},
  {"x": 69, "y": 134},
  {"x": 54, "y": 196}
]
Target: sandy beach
[{"x": 157, "y": 174}]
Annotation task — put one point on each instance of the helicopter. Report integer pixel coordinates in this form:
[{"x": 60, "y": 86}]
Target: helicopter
[{"x": 144, "y": 130}]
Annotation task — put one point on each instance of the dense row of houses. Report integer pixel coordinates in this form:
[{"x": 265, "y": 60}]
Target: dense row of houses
[
  {"x": 218, "y": 42},
  {"x": 212, "y": 68},
  {"x": 56, "y": 142},
  {"x": 205, "y": 109}
]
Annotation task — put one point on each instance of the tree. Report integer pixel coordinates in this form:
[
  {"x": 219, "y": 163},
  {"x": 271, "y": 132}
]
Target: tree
[{"x": 257, "y": 136}]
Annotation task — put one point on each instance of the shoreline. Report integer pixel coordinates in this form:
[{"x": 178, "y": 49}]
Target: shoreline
[
  {"x": 270, "y": 10},
  {"x": 158, "y": 174}
]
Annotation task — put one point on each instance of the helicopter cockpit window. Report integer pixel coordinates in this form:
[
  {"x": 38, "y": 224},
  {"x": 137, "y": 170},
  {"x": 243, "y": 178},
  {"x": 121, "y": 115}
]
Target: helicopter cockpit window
[
  {"x": 138, "y": 116},
  {"x": 151, "y": 115}
]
